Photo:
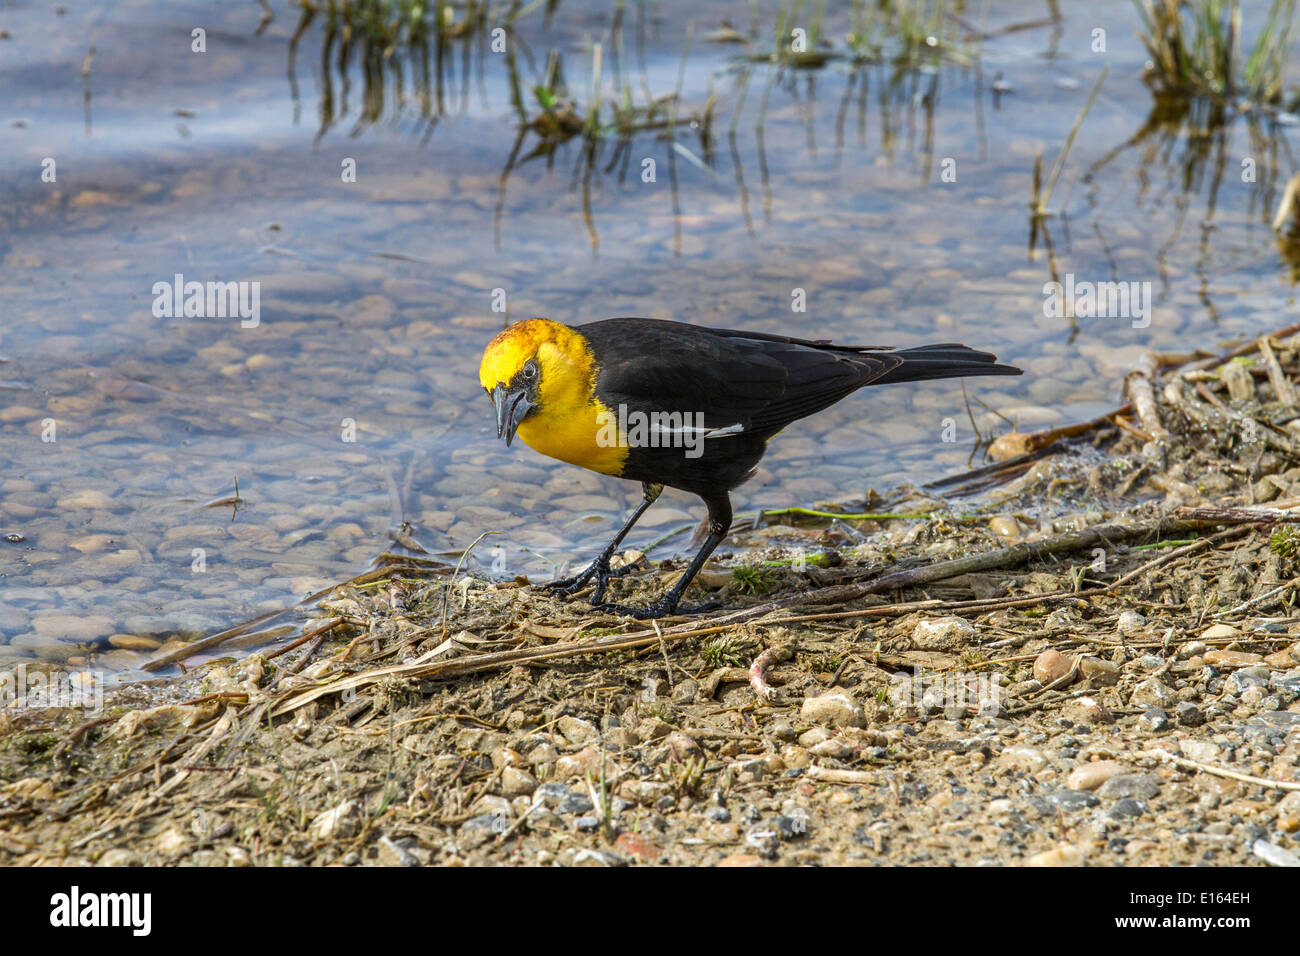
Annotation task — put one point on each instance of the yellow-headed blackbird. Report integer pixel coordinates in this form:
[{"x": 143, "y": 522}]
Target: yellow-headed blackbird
[{"x": 667, "y": 403}]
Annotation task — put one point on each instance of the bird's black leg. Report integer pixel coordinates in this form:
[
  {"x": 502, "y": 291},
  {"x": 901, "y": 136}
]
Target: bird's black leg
[
  {"x": 599, "y": 569},
  {"x": 719, "y": 524}
]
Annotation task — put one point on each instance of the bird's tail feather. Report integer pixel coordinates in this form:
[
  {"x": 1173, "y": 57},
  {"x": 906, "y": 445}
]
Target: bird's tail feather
[{"x": 943, "y": 361}]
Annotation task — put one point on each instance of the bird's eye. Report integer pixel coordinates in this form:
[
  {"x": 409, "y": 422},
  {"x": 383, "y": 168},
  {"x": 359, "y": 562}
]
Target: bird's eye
[{"x": 530, "y": 371}]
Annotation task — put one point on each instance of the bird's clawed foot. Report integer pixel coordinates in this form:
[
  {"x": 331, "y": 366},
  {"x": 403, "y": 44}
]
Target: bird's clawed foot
[
  {"x": 600, "y": 571},
  {"x": 666, "y": 606}
]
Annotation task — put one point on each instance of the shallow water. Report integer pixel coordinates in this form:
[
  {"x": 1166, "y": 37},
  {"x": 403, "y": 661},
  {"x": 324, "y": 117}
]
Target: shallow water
[{"x": 896, "y": 200}]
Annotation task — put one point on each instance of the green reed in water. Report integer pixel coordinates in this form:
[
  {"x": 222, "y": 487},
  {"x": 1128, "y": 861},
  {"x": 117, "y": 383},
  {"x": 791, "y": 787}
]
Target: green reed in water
[{"x": 1196, "y": 48}]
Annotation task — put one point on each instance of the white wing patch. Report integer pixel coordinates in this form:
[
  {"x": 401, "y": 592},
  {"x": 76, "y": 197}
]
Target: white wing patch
[
  {"x": 724, "y": 432},
  {"x": 727, "y": 432}
]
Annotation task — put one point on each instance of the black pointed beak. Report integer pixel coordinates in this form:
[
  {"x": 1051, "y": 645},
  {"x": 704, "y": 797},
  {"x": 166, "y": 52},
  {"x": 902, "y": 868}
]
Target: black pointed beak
[{"x": 511, "y": 409}]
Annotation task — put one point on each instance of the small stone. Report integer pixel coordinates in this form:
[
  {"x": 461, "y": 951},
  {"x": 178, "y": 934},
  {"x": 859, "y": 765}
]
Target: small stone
[
  {"x": 72, "y": 627},
  {"x": 1071, "y": 799},
  {"x": 1151, "y": 693},
  {"x": 835, "y": 749},
  {"x": 550, "y": 794},
  {"x": 130, "y": 642},
  {"x": 1090, "y": 776},
  {"x": 1290, "y": 804},
  {"x": 91, "y": 543},
  {"x": 1242, "y": 680},
  {"x": 394, "y": 854},
  {"x": 515, "y": 781},
  {"x": 771, "y": 762},
  {"x": 943, "y": 633},
  {"x": 506, "y": 757},
  {"x": 585, "y": 761},
  {"x": 795, "y": 757},
  {"x": 576, "y": 802},
  {"x": 587, "y": 823},
  {"x": 1050, "y": 666},
  {"x": 1154, "y": 719},
  {"x": 652, "y": 728},
  {"x": 339, "y": 823},
  {"x": 1227, "y": 660},
  {"x": 633, "y": 844},
  {"x": 1130, "y": 623},
  {"x": 1022, "y": 757},
  {"x": 644, "y": 792},
  {"x": 721, "y": 833},
  {"x": 31, "y": 789},
  {"x": 764, "y": 839},
  {"x": 684, "y": 747},
  {"x": 794, "y": 825},
  {"x": 1024, "y": 688},
  {"x": 741, "y": 859},
  {"x": 1139, "y": 786},
  {"x": 170, "y": 842},
  {"x": 813, "y": 736},
  {"x": 1128, "y": 807},
  {"x": 543, "y": 753},
  {"x": 1100, "y": 672},
  {"x": 1064, "y": 855},
  {"x": 1274, "y": 855},
  {"x": 86, "y": 500},
  {"x": 1188, "y": 714},
  {"x": 484, "y": 827},
  {"x": 835, "y": 708},
  {"x": 1203, "y": 750},
  {"x": 1277, "y": 722},
  {"x": 1006, "y": 526},
  {"x": 686, "y": 691},
  {"x": 783, "y": 732},
  {"x": 118, "y": 856},
  {"x": 577, "y": 731},
  {"x": 1220, "y": 632},
  {"x": 1086, "y": 710},
  {"x": 1280, "y": 659}
]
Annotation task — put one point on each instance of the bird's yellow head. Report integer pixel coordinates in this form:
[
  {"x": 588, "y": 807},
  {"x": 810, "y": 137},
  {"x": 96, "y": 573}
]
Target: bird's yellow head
[{"x": 534, "y": 370}]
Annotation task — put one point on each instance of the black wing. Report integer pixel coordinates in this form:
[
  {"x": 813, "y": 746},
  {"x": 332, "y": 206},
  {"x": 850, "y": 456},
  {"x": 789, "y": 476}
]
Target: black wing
[{"x": 757, "y": 381}]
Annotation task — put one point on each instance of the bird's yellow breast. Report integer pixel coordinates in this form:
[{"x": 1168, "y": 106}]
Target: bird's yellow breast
[{"x": 579, "y": 436}]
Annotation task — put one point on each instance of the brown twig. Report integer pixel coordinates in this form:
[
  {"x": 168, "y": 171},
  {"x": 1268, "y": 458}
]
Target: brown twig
[
  {"x": 313, "y": 633},
  {"x": 1224, "y": 772},
  {"x": 73, "y": 737},
  {"x": 1282, "y": 386},
  {"x": 218, "y": 695},
  {"x": 1140, "y": 388},
  {"x": 852, "y": 777},
  {"x": 1255, "y": 515}
]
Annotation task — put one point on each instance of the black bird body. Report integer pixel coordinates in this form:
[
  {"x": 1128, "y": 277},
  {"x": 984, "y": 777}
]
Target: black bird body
[
  {"x": 716, "y": 396},
  {"x": 760, "y": 382}
]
